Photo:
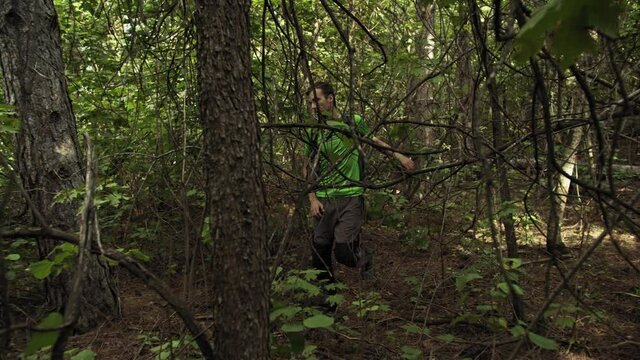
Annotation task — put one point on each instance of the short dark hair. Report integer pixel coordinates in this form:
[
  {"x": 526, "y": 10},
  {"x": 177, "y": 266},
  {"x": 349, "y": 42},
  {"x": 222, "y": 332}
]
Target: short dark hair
[{"x": 326, "y": 87}]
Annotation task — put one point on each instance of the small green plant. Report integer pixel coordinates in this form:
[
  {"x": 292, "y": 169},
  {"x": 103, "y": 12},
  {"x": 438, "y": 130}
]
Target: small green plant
[
  {"x": 294, "y": 295},
  {"x": 108, "y": 194},
  {"x": 63, "y": 256},
  {"x": 384, "y": 205},
  {"x": 15, "y": 256},
  {"x": 9, "y": 121},
  {"x": 463, "y": 280},
  {"x": 369, "y": 303},
  {"x": 417, "y": 287},
  {"x": 416, "y": 237},
  {"x": 171, "y": 348},
  {"x": 540, "y": 341},
  {"x": 410, "y": 353},
  {"x": 180, "y": 348},
  {"x": 39, "y": 345},
  {"x": 563, "y": 316}
]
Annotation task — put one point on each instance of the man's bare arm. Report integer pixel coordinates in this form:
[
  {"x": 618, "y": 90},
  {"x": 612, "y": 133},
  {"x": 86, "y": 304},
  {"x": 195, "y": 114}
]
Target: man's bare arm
[
  {"x": 317, "y": 209},
  {"x": 406, "y": 162}
]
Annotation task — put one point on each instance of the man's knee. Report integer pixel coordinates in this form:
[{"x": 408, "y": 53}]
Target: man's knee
[
  {"x": 321, "y": 255},
  {"x": 346, "y": 254}
]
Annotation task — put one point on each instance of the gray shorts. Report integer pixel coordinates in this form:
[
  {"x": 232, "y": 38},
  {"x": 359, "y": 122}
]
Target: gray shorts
[{"x": 340, "y": 222}]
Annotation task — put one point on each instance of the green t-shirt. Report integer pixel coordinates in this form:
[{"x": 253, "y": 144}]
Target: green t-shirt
[{"x": 338, "y": 165}]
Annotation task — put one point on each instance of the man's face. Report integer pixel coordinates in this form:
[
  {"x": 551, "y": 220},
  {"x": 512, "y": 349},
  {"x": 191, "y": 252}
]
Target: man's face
[{"x": 323, "y": 103}]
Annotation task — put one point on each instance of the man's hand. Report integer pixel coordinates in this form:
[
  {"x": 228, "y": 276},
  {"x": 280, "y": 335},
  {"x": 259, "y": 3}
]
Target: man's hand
[
  {"x": 317, "y": 209},
  {"x": 407, "y": 163}
]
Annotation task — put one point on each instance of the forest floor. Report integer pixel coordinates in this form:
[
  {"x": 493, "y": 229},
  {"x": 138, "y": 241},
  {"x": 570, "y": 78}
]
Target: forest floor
[
  {"x": 417, "y": 300},
  {"x": 435, "y": 294}
]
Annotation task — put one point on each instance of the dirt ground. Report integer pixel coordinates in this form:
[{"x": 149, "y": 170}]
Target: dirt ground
[
  {"x": 607, "y": 326},
  {"x": 417, "y": 283}
]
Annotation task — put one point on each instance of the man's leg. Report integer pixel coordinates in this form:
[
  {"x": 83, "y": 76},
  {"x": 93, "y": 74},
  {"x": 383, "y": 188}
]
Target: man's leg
[
  {"x": 321, "y": 247},
  {"x": 349, "y": 250},
  {"x": 322, "y": 242}
]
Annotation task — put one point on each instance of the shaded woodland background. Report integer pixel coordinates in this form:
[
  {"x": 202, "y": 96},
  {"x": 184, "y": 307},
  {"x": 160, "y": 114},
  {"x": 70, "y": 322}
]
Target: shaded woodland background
[{"x": 516, "y": 237}]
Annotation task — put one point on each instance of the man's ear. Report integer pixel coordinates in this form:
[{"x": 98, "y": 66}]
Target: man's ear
[{"x": 330, "y": 98}]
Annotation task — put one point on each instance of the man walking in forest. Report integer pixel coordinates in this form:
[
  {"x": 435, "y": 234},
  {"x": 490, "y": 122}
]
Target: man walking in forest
[{"x": 335, "y": 164}]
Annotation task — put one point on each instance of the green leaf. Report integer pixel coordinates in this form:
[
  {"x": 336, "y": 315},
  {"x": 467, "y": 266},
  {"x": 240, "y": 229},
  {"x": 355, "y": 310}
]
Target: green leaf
[
  {"x": 485, "y": 308},
  {"x": 411, "y": 328},
  {"x": 543, "y": 342},
  {"x": 318, "y": 321},
  {"x": 446, "y": 338},
  {"x": 604, "y": 15},
  {"x": 84, "y": 355},
  {"x": 518, "y": 331},
  {"x": 19, "y": 242},
  {"x": 40, "y": 339},
  {"x": 61, "y": 257},
  {"x": 336, "y": 299},
  {"x": 416, "y": 329},
  {"x": 570, "y": 41},
  {"x": 287, "y": 312},
  {"x": 298, "y": 283},
  {"x": 12, "y": 257},
  {"x": 411, "y": 353},
  {"x": 308, "y": 350},
  {"x": 504, "y": 287},
  {"x": 564, "y": 322},
  {"x": 9, "y": 124},
  {"x": 41, "y": 269},
  {"x": 463, "y": 279},
  {"x": 68, "y": 247},
  {"x": 497, "y": 323},
  {"x": 292, "y": 327},
  {"x": 531, "y": 37}
]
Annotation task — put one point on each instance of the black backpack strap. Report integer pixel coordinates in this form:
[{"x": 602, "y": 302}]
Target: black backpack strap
[
  {"x": 312, "y": 166},
  {"x": 361, "y": 163}
]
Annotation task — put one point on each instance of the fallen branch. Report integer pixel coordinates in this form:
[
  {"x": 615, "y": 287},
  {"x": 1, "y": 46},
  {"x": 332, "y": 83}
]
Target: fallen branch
[{"x": 136, "y": 269}]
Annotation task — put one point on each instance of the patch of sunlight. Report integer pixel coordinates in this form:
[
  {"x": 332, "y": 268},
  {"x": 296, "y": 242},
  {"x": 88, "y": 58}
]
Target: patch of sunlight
[
  {"x": 65, "y": 149},
  {"x": 573, "y": 356}
]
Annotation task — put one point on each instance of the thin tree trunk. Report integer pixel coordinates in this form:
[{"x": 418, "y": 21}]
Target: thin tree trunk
[
  {"x": 465, "y": 82},
  {"x": 418, "y": 103},
  {"x": 569, "y": 166},
  {"x": 234, "y": 187},
  {"x": 48, "y": 158},
  {"x": 506, "y": 218}
]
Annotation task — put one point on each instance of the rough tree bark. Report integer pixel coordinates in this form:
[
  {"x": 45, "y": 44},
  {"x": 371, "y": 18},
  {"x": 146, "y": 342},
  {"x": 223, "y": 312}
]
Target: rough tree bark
[
  {"x": 234, "y": 186},
  {"x": 47, "y": 154},
  {"x": 5, "y": 319}
]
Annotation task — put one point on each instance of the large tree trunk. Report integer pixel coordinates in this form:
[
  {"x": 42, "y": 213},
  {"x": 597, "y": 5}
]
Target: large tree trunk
[
  {"x": 5, "y": 319},
  {"x": 47, "y": 156},
  {"x": 234, "y": 184}
]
